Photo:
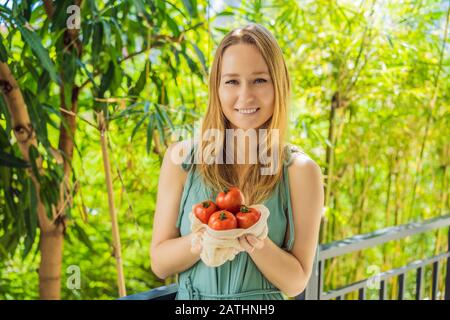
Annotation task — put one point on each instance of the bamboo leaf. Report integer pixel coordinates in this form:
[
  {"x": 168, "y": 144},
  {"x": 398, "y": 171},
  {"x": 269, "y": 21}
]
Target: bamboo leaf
[
  {"x": 33, "y": 40},
  {"x": 9, "y": 201},
  {"x": 83, "y": 236},
  {"x": 150, "y": 128},
  {"x": 173, "y": 26},
  {"x": 33, "y": 156},
  {"x": 4, "y": 141},
  {"x": 118, "y": 33},
  {"x": 191, "y": 7},
  {"x": 97, "y": 40},
  {"x": 139, "y": 6},
  {"x": 107, "y": 33},
  {"x": 160, "y": 127},
  {"x": 136, "y": 128},
  {"x": 107, "y": 79},
  {"x": 224, "y": 13},
  {"x": 37, "y": 117},
  {"x": 201, "y": 57},
  {"x": 89, "y": 74},
  {"x": 164, "y": 116},
  {"x": 43, "y": 82},
  {"x": 30, "y": 216},
  {"x": 3, "y": 52},
  {"x": 60, "y": 15},
  {"x": 86, "y": 32},
  {"x": 12, "y": 242},
  {"x": 140, "y": 84},
  {"x": 9, "y": 160},
  {"x": 192, "y": 65}
]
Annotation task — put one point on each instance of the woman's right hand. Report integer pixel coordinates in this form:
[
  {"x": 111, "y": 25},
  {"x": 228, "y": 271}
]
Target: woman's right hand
[{"x": 197, "y": 241}]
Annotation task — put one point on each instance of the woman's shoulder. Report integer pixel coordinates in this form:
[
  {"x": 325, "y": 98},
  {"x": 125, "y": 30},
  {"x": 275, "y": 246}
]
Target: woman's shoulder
[
  {"x": 295, "y": 154},
  {"x": 301, "y": 164},
  {"x": 175, "y": 158}
]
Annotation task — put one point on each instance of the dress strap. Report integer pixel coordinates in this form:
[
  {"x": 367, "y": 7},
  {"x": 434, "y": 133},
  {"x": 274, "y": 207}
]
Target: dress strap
[
  {"x": 288, "y": 208},
  {"x": 188, "y": 161},
  {"x": 290, "y": 150},
  {"x": 187, "y": 165}
]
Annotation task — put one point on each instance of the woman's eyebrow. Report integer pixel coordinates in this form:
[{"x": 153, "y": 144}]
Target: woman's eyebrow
[{"x": 237, "y": 74}]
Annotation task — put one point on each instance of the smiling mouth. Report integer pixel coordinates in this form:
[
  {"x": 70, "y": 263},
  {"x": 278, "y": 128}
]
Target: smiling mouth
[{"x": 247, "y": 111}]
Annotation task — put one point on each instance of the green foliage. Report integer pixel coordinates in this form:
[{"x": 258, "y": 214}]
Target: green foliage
[
  {"x": 145, "y": 65},
  {"x": 109, "y": 61}
]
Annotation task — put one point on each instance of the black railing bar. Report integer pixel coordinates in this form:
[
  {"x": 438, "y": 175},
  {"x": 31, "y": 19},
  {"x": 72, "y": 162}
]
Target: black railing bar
[
  {"x": 401, "y": 286},
  {"x": 359, "y": 242},
  {"x": 382, "y": 276},
  {"x": 362, "y": 294},
  {"x": 321, "y": 277},
  {"x": 435, "y": 279},
  {"x": 419, "y": 282},
  {"x": 383, "y": 290}
]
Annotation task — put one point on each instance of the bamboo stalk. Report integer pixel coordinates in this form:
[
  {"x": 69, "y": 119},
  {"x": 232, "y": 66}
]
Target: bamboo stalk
[
  {"x": 432, "y": 107},
  {"x": 444, "y": 188},
  {"x": 112, "y": 211},
  {"x": 330, "y": 273},
  {"x": 329, "y": 165},
  {"x": 388, "y": 195}
]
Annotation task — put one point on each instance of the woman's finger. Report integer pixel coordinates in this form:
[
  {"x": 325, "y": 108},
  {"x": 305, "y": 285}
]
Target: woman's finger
[
  {"x": 196, "y": 244},
  {"x": 195, "y": 249},
  {"x": 245, "y": 244},
  {"x": 255, "y": 242}
]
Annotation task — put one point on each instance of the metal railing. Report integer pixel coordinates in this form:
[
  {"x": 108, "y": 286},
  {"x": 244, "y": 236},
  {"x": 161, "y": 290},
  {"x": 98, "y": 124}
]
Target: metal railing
[{"x": 314, "y": 289}]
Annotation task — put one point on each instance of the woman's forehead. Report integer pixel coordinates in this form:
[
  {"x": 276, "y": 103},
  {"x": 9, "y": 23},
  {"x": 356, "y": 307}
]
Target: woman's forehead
[{"x": 243, "y": 59}]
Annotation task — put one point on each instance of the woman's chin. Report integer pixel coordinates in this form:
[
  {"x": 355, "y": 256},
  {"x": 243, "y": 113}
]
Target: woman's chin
[{"x": 244, "y": 126}]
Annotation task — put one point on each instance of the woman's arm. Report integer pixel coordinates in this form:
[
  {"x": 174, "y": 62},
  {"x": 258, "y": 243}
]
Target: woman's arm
[
  {"x": 169, "y": 252},
  {"x": 290, "y": 271}
]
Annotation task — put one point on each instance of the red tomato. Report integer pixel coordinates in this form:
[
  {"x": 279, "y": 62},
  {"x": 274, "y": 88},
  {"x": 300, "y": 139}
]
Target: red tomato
[
  {"x": 230, "y": 199},
  {"x": 204, "y": 210},
  {"x": 247, "y": 217},
  {"x": 222, "y": 220}
]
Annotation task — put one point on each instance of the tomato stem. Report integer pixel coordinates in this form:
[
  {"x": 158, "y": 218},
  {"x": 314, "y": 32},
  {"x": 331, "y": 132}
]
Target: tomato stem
[
  {"x": 205, "y": 204},
  {"x": 244, "y": 209}
]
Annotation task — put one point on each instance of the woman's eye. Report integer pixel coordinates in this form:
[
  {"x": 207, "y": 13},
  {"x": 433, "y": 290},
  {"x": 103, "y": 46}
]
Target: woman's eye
[
  {"x": 231, "y": 82},
  {"x": 260, "y": 80}
]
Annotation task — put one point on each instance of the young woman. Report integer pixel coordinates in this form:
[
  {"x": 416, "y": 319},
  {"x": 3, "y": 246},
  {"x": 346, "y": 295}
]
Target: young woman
[{"x": 249, "y": 89}]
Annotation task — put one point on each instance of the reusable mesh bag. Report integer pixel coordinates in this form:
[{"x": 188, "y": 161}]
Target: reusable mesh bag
[{"x": 220, "y": 246}]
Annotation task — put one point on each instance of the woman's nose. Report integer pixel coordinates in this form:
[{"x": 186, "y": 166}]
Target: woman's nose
[{"x": 246, "y": 94}]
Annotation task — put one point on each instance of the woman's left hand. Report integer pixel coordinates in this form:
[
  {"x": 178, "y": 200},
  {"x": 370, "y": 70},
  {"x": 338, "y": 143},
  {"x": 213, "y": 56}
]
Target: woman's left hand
[{"x": 250, "y": 243}]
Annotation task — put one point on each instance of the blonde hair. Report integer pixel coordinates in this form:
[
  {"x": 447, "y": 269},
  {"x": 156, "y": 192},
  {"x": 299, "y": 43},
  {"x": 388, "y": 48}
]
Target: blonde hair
[{"x": 256, "y": 187}]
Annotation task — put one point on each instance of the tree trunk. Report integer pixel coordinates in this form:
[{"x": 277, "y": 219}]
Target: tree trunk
[
  {"x": 52, "y": 230},
  {"x": 51, "y": 247}
]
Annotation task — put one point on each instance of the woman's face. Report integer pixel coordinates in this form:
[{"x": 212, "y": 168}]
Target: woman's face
[{"x": 246, "y": 91}]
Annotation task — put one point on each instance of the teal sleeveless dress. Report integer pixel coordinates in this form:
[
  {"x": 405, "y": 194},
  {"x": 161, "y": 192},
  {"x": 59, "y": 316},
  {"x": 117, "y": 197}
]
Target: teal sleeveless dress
[{"x": 240, "y": 278}]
